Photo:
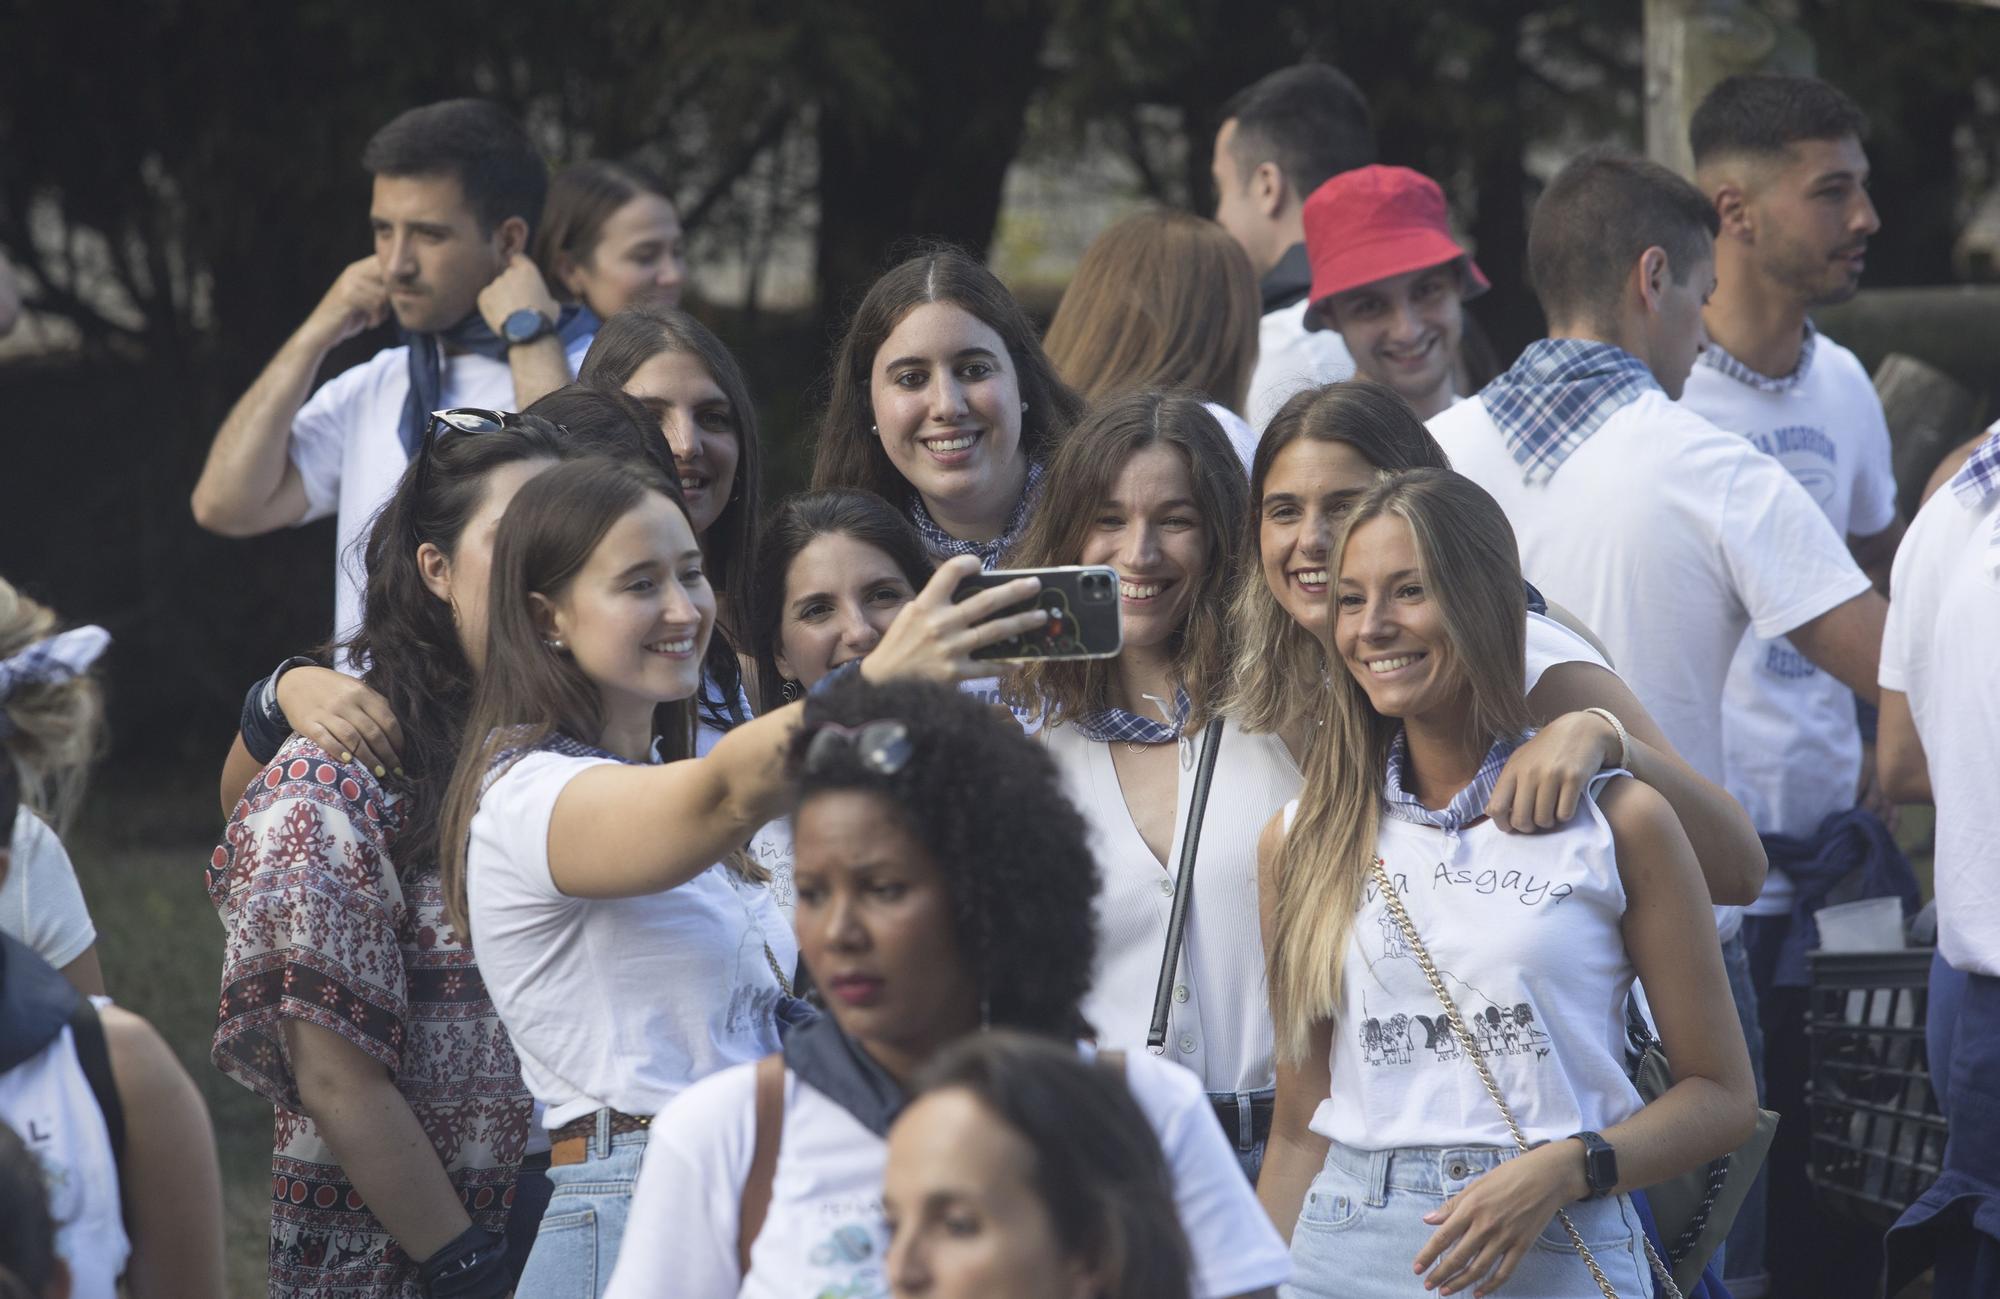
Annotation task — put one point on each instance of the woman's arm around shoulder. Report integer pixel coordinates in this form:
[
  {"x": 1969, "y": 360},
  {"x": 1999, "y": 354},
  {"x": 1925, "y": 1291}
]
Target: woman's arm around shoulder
[
  {"x": 1727, "y": 849},
  {"x": 1295, "y": 1153},
  {"x": 171, "y": 1181},
  {"x": 680, "y": 1237}
]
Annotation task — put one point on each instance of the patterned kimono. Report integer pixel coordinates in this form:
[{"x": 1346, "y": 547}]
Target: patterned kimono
[{"x": 326, "y": 927}]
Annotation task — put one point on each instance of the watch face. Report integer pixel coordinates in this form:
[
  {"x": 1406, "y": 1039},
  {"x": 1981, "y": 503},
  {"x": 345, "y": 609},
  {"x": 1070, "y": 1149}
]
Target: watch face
[{"x": 523, "y": 325}]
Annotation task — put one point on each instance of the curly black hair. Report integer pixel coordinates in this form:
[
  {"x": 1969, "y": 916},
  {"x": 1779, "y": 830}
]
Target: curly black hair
[{"x": 987, "y": 803}]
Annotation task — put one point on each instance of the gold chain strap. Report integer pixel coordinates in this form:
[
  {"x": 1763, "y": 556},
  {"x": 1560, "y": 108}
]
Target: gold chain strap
[{"x": 1394, "y": 902}]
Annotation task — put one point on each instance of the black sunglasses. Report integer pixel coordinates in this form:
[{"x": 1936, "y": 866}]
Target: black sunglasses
[
  {"x": 459, "y": 419},
  {"x": 882, "y": 747}
]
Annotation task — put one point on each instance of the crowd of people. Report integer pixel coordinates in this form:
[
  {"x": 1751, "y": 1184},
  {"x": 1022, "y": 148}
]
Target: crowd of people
[{"x": 649, "y": 891}]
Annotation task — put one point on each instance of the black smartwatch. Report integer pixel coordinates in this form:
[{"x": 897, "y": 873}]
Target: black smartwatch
[
  {"x": 1600, "y": 1164},
  {"x": 525, "y": 326}
]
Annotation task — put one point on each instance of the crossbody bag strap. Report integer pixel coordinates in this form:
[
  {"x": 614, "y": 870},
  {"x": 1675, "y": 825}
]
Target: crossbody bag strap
[
  {"x": 1470, "y": 1045},
  {"x": 770, "y": 1120},
  {"x": 1170, "y": 959}
]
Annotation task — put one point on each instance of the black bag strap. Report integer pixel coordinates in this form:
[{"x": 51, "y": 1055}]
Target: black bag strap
[
  {"x": 87, "y": 1031},
  {"x": 1170, "y": 959}
]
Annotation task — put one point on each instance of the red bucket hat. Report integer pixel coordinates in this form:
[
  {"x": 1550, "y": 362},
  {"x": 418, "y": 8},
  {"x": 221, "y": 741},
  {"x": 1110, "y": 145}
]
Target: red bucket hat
[{"x": 1374, "y": 222}]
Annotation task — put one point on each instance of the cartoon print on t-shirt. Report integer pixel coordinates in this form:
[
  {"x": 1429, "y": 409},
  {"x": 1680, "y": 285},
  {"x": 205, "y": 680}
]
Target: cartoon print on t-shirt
[{"x": 850, "y": 1247}]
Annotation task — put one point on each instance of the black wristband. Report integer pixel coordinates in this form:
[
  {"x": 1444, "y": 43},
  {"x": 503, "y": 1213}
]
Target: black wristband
[
  {"x": 472, "y": 1266},
  {"x": 263, "y": 724}
]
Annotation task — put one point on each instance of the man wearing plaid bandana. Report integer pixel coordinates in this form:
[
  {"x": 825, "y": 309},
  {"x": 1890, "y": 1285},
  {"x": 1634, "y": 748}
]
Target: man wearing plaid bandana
[{"x": 1668, "y": 536}]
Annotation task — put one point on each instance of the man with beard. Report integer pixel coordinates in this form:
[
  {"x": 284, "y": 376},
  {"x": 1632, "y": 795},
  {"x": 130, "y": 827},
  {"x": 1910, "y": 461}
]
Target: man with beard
[
  {"x": 458, "y": 189},
  {"x": 1781, "y": 159}
]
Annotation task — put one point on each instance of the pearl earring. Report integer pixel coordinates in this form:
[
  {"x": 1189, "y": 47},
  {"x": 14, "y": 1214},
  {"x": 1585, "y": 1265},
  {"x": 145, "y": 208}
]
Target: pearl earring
[
  {"x": 554, "y": 643},
  {"x": 876, "y": 429}
]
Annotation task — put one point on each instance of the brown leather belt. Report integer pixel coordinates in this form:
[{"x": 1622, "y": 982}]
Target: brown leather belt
[{"x": 570, "y": 1143}]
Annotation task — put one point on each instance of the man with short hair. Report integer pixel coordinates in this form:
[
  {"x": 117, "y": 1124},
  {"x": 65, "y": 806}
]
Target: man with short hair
[
  {"x": 1667, "y": 536},
  {"x": 1388, "y": 276},
  {"x": 458, "y": 189},
  {"x": 1281, "y": 139},
  {"x": 1781, "y": 160}
]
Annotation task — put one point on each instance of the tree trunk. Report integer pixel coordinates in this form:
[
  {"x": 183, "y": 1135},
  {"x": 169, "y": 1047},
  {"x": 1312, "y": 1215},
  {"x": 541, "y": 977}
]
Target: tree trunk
[{"x": 928, "y": 159}]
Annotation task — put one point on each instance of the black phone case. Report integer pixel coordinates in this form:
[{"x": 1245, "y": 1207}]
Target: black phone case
[{"x": 1078, "y": 627}]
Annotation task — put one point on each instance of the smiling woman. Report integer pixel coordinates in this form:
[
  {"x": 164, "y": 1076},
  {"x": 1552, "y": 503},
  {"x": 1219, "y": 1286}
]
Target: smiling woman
[
  {"x": 942, "y": 401},
  {"x": 1150, "y": 485}
]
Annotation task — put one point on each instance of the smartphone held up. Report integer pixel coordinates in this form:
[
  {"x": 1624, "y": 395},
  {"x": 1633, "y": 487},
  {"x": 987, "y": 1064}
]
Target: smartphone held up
[{"x": 1082, "y": 602}]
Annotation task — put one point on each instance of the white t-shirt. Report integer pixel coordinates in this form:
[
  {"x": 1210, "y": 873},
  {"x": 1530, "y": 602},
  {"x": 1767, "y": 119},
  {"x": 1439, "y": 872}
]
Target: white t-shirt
[
  {"x": 349, "y": 451},
  {"x": 1525, "y": 931},
  {"x": 1938, "y": 649},
  {"x": 1220, "y": 1018},
  {"x": 771, "y": 848},
  {"x": 1791, "y": 746},
  {"x": 823, "y": 1232},
  {"x": 620, "y": 1002},
  {"x": 41, "y": 905},
  {"x": 1670, "y": 539},
  {"x": 47, "y": 1100},
  {"x": 1291, "y": 358},
  {"x": 1241, "y": 435}
]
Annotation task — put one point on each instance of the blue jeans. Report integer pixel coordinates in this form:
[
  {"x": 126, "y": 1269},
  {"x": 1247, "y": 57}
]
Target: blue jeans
[
  {"x": 585, "y": 1221},
  {"x": 1361, "y": 1227},
  {"x": 1248, "y": 1145},
  {"x": 1941, "y": 1026},
  {"x": 1740, "y": 1262}
]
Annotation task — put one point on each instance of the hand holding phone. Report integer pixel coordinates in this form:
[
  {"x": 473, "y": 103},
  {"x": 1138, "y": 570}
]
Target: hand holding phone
[{"x": 1083, "y": 622}]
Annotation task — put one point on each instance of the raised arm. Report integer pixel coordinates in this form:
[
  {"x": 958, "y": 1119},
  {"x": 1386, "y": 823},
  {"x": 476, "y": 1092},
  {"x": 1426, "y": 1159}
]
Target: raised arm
[
  {"x": 1294, "y": 1154},
  {"x": 622, "y": 831},
  {"x": 249, "y": 484},
  {"x": 1555, "y": 767},
  {"x": 172, "y": 1185}
]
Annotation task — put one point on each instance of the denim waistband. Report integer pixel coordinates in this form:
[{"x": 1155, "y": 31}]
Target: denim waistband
[
  {"x": 1245, "y": 1116},
  {"x": 1429, "y": 1170}
]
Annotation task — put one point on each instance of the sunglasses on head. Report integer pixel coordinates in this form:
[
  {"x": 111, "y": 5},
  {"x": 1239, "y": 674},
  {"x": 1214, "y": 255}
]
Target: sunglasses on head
[
  {"x": 468, "y": 420},
  {"x": 882, "y": 748}
]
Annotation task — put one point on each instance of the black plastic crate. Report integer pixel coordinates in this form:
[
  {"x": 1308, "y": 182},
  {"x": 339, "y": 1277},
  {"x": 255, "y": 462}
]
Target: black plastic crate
[{"x": 1877, "y": 1135}]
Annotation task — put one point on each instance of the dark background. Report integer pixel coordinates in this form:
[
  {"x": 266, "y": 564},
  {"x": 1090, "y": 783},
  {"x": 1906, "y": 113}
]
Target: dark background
[{"x": 178, "y": 185}]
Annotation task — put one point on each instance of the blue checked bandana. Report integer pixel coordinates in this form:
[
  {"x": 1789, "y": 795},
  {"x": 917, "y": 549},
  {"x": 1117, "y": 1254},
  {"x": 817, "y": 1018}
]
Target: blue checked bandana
[
  {"x": 1110, "y": 724},
  {"x": 945, "y": 546},
  {"x": 1723, "y": 363},
  {"x": 1975, "y": 484},
  {"x": 1559, "y": 393},
  {"x": 50, "y": 662},
  {"x": 1466, "y": 806}
]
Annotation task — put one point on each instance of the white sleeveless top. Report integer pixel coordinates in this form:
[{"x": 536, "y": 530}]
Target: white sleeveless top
[
  {"x": 1220, "y": 1025},
  {"x": 48, "y": 1102},
  {"x": 1525, "y": 931}
]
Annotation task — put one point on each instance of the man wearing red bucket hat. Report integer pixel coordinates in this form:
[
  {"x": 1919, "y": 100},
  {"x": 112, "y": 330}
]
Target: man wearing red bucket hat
[{"x": 1387, "y": 274}]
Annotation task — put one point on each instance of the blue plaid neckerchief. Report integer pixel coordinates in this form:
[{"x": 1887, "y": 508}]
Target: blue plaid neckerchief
[
  {"x": 1975, "y": 484},
  {"x": 1559, "y": 393},
  {"x": 474, "y": 335},
  {"x": 1466, "y": 806},
  {"x": 1108, "y": 724},
  {"x": 509, "y": 752},
  {"x": 945, "y": 546},
  {"x": 50, "y": 662},
  {"x": 1715, "y": 358}
]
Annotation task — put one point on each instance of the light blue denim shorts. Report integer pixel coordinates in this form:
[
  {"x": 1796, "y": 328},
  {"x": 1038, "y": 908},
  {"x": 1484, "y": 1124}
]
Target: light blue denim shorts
[
  {"x": 1362, "y": 1226},
  {"x": 585, "y": 1221}
]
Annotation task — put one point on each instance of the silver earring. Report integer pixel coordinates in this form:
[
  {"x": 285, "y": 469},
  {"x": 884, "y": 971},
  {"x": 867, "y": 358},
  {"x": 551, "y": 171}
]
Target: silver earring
[
  {"x": 876, "y": 429},
  {"x": 1024, "y": 408},
  {"x": 789, "y": 691},
  {"x": 554, "y": 643}
]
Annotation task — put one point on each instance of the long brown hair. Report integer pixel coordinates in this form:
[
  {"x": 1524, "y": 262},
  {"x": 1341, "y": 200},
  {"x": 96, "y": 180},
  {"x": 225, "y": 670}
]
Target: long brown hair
[
  {"x": 408, "y": 644},
  {"x": 1279, "y": 664},
  {"x": 1081, "y": 476},
  {"x": 1471, "y": 567},
  {"x": 627, "y": 341},
  {"x": 527, "y": 691},
  {"x": 848, "y": 452},
  {"x": 1162, "y": 299}
]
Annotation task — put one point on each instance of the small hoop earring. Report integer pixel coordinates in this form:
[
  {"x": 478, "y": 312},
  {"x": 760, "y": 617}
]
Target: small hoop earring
[
  {"x": 554, "y": 643},
  {"x": 790, "y": 692}
]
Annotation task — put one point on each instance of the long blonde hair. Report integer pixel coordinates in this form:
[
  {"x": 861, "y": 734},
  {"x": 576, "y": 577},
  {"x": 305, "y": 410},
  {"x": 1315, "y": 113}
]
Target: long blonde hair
[
  {"x": 1162, "y": 299},
  {"x": 1280, "y": 664},
  {"x": 53, "y": 732},
  {"x": 1472, "y": 569}
]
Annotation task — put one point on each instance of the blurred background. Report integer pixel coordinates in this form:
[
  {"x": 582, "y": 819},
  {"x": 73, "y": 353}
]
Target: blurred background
[{"x": 179, "y": 185}]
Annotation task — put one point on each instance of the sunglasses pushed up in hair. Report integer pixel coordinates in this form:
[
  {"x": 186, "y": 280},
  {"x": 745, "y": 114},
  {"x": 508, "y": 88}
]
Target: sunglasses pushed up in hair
[
  {"x": 883, "y": 748},
  {"x": 469, "y": 420}
]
